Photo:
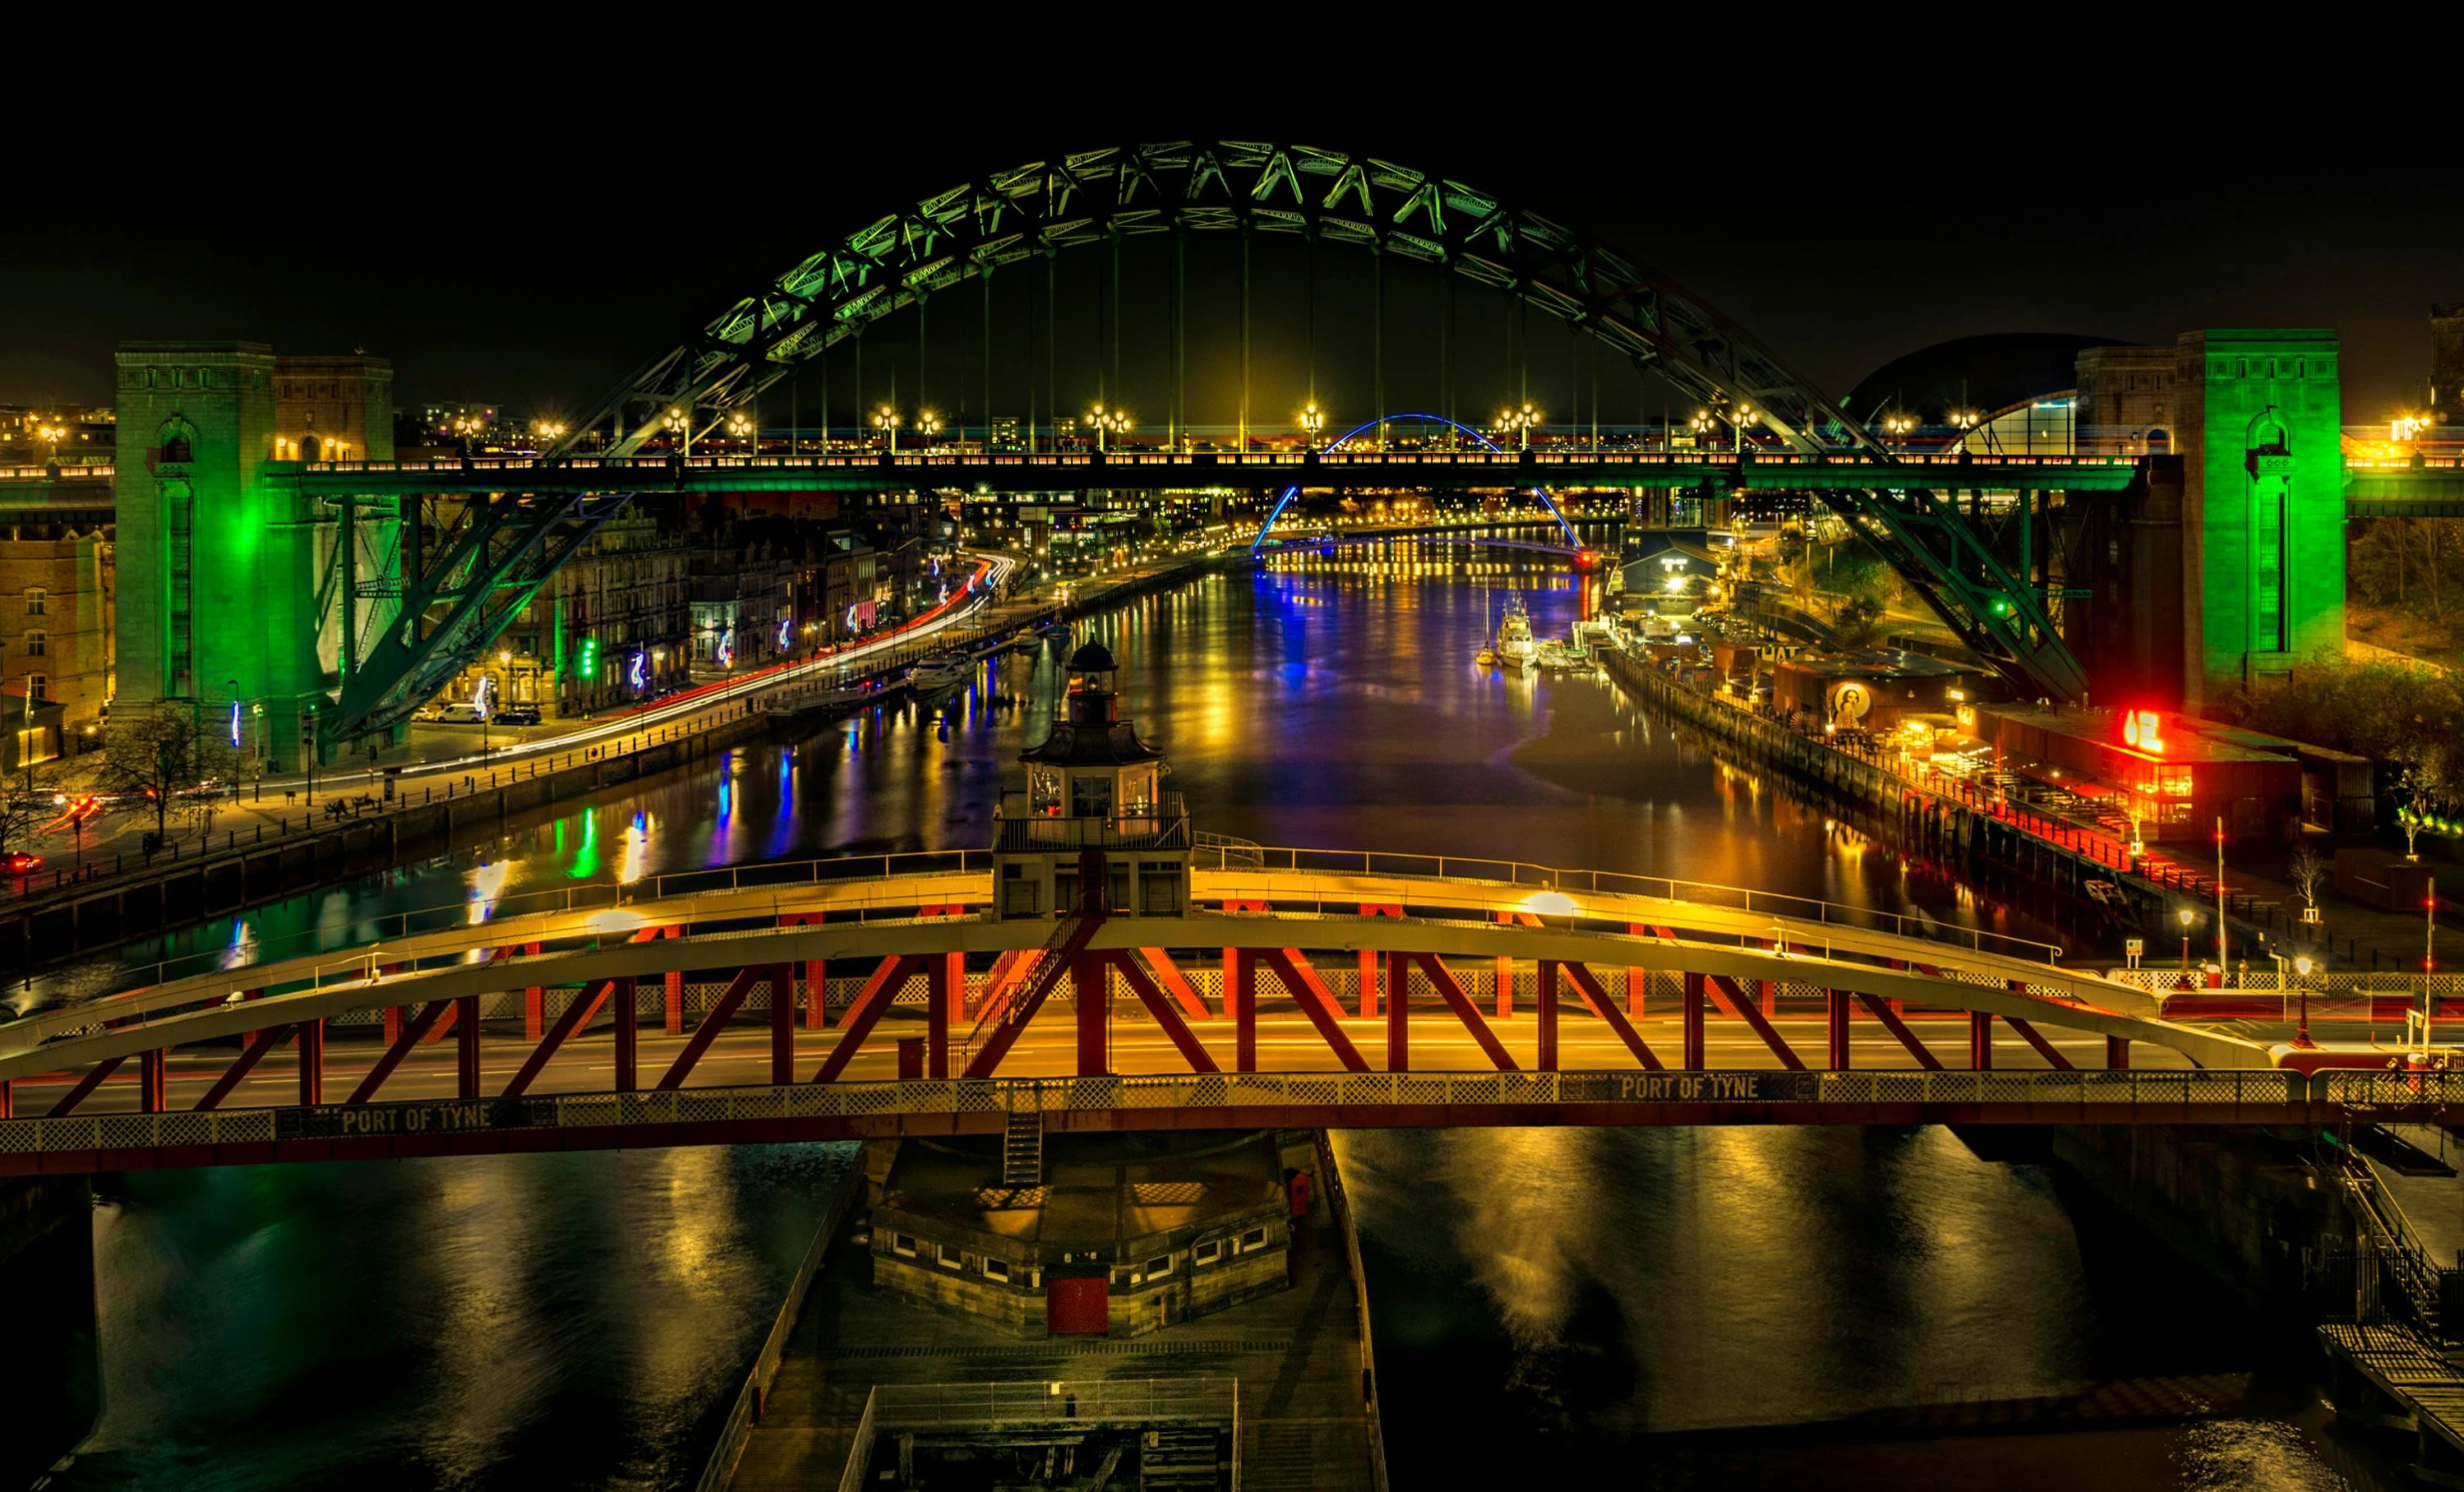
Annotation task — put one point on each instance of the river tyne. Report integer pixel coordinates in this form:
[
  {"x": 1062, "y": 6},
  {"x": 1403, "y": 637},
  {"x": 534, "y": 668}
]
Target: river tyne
[{"x": 1675, "y": 1308}]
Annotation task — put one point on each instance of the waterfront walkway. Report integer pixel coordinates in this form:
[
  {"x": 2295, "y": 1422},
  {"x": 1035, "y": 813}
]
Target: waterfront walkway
[{"x": 1297, "y": 1356}]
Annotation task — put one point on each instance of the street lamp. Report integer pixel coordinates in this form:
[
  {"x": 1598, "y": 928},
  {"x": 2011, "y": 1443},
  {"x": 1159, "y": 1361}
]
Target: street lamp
[
  {"x": 467, "y": 429},
  {"x": 2188, "y": 917},
  {"x": 1312, "y": 421},
  {"x": 548, "y": 432},
  {"x": 1107, "y": 424},
  {"x": 679, "y": 428},
  {"x": 2302, "y": 965},
  {"x": 742, "y": 427},
  {"x": 1701, "y": 424},
  {"x": 55, "y": 434},
  {"x": 1520, "y": 423},
  {"x": 1737, "y": 423},
  {"x": 885, "y": 420},
  {"x": 928, "y": 425},
  {"x": 1896, "y": 427}
]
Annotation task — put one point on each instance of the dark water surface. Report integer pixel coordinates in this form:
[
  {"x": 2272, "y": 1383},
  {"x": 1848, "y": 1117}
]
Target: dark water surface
[{"x": 1542, "y": 1300}]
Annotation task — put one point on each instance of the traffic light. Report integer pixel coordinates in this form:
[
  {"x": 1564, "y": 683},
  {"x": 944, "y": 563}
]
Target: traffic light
[{"x": 589, "y": 658}]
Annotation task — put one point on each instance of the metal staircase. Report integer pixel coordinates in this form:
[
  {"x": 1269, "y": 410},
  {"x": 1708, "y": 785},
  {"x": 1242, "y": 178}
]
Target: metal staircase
[{"x": 1022, "y": 1148}]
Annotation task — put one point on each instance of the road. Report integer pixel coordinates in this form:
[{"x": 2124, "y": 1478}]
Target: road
[
  {"x": 1287, "y": 1043},
  {"x": 283, "y": 805}
]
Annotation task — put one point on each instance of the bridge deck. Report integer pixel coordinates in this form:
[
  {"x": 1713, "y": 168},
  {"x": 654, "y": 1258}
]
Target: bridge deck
[{"x": 1003, "y": 472}]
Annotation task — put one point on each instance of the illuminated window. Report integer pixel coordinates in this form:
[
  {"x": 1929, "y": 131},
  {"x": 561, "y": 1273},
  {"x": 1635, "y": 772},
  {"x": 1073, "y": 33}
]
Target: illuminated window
[
  {"x": 996, "y": 1269},
  {"x": 176, "y": 449},
  {"x": 1209, "y": 1252}
]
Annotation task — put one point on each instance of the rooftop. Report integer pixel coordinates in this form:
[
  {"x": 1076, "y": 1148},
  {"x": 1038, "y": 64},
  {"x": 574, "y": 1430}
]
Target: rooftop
[{"x": 2185, "y": 740}]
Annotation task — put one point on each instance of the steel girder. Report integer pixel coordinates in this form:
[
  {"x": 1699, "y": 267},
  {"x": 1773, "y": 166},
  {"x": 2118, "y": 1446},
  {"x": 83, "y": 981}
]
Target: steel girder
[
  {"x": 492, "y": 560},
  {"x": 1098, "y": 196}
]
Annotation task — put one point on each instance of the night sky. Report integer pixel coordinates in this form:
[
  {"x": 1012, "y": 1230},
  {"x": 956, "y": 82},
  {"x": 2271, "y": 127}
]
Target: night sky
[{"x": 484, "y": 273}]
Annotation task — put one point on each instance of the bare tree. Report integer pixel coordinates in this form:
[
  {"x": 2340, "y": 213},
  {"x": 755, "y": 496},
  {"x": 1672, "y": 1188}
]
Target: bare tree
[
  {"x": 164, "y": 753},
  {"x": 24, "y": 812},
  {"x": 2306, "y": 872}
]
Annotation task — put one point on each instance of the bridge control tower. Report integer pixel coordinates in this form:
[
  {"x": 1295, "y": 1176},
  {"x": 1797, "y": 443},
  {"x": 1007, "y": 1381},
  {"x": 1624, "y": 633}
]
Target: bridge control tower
[{"x": 1091, "y": 783}]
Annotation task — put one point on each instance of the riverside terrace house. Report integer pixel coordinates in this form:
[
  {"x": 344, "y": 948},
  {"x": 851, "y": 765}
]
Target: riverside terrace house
[
  {"x": 1124, "y": 1234},
  {"x": 2180, "y": 774}
]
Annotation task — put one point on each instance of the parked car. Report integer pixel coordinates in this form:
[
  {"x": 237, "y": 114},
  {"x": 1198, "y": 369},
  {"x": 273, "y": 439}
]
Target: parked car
[
  {"x": 519, "y": 714},
  {"x": 460, "y": 712},
  {"x": 19, "y": 862}
]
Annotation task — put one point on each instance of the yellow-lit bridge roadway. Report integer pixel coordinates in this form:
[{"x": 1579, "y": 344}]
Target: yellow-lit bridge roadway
[{"x": 828, "y": 999}]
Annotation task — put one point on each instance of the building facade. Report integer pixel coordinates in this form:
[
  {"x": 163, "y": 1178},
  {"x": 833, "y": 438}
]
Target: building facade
[
  {"x": 2262, "y": 504},
  {"x": 57, "y": 609},
  {"x": 222, "y": 567}
]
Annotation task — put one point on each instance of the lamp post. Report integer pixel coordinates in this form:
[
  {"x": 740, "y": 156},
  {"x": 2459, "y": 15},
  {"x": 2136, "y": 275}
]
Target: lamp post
[
  {"x": 2188, "y": 917},
  {"x": 1895, "y": 428},
  {"x": 546, "y": 433},
  {"x": 679, "y": 426},
  {"x": 1312, "y": 421},
  {"x": 467, "y": 429},
  {"x": 928, "y": 425},
  {"x": 1520, "y": 421},
  {"x": 2220, "y": 893},
  {"x": 2301, "y": 973},
  {"x": 1107, "y": 424},
  {"x": 740, "y": 426},
  {"x": 885, "y": 420},
  {"x": 1737, "y": 423}
]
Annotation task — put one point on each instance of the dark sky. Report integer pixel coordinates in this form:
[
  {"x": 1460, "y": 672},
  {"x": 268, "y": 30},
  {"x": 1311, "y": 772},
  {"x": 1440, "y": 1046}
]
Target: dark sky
[{"x": 533, "y": 251}]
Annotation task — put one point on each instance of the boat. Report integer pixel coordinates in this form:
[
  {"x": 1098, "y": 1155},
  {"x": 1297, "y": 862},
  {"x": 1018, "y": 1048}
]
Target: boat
[
  {"x": 1551, "y": 654},
  {"x": 940, "y": 672},
  {"x": 1515, "y": 647},
  {"x": 1485, "y": 658}
]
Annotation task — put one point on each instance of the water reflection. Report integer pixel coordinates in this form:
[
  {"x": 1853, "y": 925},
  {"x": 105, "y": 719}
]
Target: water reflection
[{"x": 470, "y": 1322}]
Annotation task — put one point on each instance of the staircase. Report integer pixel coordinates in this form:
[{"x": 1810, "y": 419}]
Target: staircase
[
  {"x": 1023, "y": 1149},
  {"x": 1183, "y": 1458}
]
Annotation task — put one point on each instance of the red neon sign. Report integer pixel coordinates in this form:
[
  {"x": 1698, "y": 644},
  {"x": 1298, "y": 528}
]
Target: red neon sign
[{"x": 2143, "y": 729}]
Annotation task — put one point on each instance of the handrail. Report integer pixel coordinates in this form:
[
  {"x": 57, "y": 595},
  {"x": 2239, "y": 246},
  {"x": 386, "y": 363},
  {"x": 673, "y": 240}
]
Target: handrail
[
  {"x": 774, "y": 875},
  {"x": 1339, "y": 1205},
  {"x": 1212, "y": 853},
  {"x": 729, "y": 1447},
  {"x": 2392, "y": 1233},
  {"x": 1615, "y": 882}
]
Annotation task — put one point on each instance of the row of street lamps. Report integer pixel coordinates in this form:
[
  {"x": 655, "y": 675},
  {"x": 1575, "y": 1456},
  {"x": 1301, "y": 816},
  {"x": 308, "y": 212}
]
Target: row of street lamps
[{"x": 1517, "y": 422}]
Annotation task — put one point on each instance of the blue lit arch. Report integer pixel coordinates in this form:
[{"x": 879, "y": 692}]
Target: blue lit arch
[{"x": 1486, "y": 444}]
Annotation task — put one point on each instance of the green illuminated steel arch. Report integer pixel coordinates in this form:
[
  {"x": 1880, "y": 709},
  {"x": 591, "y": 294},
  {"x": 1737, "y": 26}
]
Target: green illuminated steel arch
[{"x": 1124, "y": 190}]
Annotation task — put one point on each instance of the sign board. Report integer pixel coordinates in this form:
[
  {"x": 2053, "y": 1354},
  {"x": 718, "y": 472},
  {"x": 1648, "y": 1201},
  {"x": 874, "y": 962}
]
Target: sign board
[{"x": 1690, "y": 1087}]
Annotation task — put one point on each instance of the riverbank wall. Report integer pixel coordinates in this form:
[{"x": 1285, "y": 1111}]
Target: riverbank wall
[
  {"x": 846, "y": 1195},
  {"x": 47, "y": 1250},
  {"x": 1997, "y": 855},
  {"x": 176, "y": 891}
]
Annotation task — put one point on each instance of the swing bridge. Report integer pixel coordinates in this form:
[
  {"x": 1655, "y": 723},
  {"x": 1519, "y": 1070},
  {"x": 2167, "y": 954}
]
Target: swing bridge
[{"x": 880, "y": 996}]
